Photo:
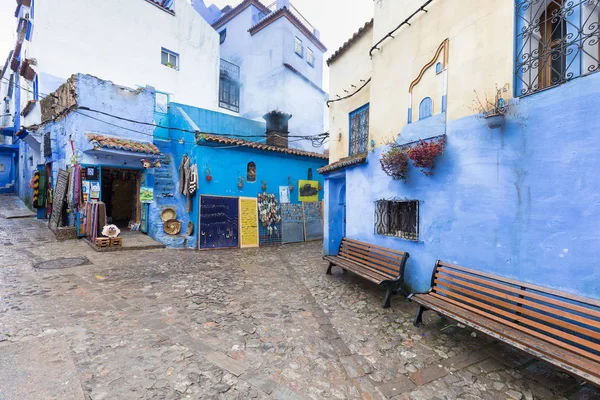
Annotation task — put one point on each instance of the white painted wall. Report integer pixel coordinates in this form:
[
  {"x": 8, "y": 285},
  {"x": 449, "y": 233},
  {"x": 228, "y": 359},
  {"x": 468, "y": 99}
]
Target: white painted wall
[
  {"x": 121, "y": 41},
  {"x": 266, "y": 84}
]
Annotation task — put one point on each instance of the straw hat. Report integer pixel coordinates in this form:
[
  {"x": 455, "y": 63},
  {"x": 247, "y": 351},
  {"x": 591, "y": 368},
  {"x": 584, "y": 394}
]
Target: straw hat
[
  {"x": 172, "y": 227},
  {"x": 110, "y": 231}
]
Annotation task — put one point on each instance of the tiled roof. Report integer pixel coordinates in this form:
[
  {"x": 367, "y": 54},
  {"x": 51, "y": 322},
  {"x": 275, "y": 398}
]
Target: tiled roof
[
  {"x": 167, "y": 5},
  {"x": 364, "y": 29},
  {"x": 284, "y": 12},
  {"x": 229, "y": 15},
  {"x": 343, "y": 163},
  {"x": 108, "y": 142},
  {"x": 256, "y": 145}
]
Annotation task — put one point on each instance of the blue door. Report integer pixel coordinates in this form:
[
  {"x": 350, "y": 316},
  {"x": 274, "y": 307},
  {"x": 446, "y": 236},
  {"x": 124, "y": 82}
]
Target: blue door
[
  {"x": 7, "y": 172},
  {"x": 219, "y": 222}
]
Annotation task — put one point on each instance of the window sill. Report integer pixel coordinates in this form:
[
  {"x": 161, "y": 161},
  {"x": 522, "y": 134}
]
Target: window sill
[
  {"x": 299, "y": 55},
  {"x": 399, "y": 237},
  {"x": 175, "y": 68}
]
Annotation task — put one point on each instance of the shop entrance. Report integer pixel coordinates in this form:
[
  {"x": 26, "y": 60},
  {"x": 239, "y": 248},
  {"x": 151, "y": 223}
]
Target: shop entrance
[{"x": 120, "y": 193}]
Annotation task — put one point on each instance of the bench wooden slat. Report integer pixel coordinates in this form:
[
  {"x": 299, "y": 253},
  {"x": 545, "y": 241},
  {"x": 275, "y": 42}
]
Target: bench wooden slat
[
  {"x": 468, "y": 301},
  {"x": 570, "y": 296},
  {"x": 547, "y": 338},
  {"x": 376, "y": 273},
  {"x": 556, "y": 302},
  {"x": 557, "y": 356},
  {"x": 367, "y": 261},
  {"x": 367, "y": 274},
  {"x": 390, "y": 260},
  {"x": 441, "y": 280},
  {"x": 400, "y": 253},
  {"x": 374, "y": 250}
]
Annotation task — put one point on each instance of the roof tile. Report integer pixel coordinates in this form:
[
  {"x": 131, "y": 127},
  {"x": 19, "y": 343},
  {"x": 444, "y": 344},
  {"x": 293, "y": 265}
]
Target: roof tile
[{"x": 122, "y": 144}]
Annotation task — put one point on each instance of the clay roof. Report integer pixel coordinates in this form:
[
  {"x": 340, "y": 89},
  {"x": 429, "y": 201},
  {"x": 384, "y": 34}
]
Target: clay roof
[
  {"x": 229, "y": 15},
  {"x": 364, "y": 29},
  {"x": 284, "y": 12},
  {"x": 109, "y": 142},
  {"x": 256, "y": 145},
  {"x": 343, "y": 163}
]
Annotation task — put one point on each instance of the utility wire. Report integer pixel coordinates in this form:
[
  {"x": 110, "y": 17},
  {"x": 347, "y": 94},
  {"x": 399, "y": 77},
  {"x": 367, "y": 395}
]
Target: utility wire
[{"x": 351, "y": 94}]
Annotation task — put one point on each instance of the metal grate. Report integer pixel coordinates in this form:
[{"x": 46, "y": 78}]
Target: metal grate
[
  {"x": 397, "y": 218},
  {"x": 359, "y": 130},
  {"x": 557, "y": 40},
  {"x": 270, "y": 237},
  {"x": 61, "y": 263}
]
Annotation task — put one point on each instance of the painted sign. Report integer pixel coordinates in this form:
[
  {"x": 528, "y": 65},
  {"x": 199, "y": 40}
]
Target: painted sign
[
  {"x": 284, "y": 194},
  {"x": 146, "y": 194},
  {"x": 85, "y": 188},
  {"x": 60, "y": 195},
  {"x": 308, "y": 191},
  {"x": 248, "y": 222},
  {"x": 94, "y": 190}
]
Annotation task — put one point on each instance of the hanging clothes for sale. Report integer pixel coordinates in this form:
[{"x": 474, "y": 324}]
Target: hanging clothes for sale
[
  {"x": 75, "y": 189},
  {"x": 93, "y": 219},
  {"x": 182, "y": 184},
  {"x": 35, "y": 185},
  {"x": 193, "y": 179}
]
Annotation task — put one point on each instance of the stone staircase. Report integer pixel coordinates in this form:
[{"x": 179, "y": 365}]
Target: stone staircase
[{"x": 166, "y": 196}]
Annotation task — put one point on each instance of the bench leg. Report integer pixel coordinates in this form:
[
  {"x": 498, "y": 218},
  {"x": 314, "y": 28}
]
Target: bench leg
[
  {"x": 388, "y": 296},
  {"x": 419, "y": 317},
  {"x": 329, "y": 269}
]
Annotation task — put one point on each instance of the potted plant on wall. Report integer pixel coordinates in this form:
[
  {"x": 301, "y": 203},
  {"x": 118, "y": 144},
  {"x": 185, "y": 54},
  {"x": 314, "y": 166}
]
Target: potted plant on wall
[
  {"x": 493, "y": 111},
  {"x": 423, "y": 153},
  {"x": 208, "y": 175},
  {"x": 394, "y": 162}
]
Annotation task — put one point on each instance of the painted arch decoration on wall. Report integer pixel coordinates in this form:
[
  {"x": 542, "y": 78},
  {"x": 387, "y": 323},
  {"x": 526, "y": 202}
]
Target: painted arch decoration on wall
[{"x": 426, "y": 104}]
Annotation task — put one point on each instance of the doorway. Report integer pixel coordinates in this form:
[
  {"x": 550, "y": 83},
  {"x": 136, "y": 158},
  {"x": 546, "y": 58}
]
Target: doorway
[{"x": 120, "y": 192}]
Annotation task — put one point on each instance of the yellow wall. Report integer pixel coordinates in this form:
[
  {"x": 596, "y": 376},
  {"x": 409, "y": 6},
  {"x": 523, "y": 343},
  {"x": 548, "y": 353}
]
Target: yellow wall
[
  {"x": 348, "y": 70},
  {"x": 481, "y": 39}
]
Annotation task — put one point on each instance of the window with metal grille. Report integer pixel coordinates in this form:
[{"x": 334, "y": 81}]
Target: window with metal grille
[
  {"x": 359, "y": 130},
  {"x": 299, "y": 47},
  {"x": 310, "y": 57},
  {"x": 229, "y": 87},
  {"x": 557, "y": 40},
  {"x": 397, "y": 218}
]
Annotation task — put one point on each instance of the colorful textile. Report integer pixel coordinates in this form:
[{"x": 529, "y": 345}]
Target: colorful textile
[
  {"x": 193, "y": 179},
  {"x": 93, "y": 219},
  {"x": 35, "y": 184},
  {"x": 43, "y": 189}
]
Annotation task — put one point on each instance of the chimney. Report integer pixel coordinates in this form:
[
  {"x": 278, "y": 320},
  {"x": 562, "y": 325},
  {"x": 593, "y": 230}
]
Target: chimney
[
  {"x": 277, "y": 128},
  {"x": 283, "y": 3}
]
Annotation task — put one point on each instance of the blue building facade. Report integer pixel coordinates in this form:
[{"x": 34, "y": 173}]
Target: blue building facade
[
  {"x": 271, "y": 58},
  {"x": 223, "y": 147},
  {"x": 517, "y": 199}
]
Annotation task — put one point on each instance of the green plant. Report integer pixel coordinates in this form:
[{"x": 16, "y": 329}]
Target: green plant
[
  {"x": 489, "y": 108},
  {"x": 394, "y": 162}
]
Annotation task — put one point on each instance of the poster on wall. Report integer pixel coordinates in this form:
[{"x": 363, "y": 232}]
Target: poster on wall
[
  {"x": 248, "y": 222},
  {"x": 146, "y": 194},
  {"x": 85, "y": 188},
  {"x": 308, "y": 191},
  {"x": 284, "y": 194},
  {"x": 95, "y": 190}
]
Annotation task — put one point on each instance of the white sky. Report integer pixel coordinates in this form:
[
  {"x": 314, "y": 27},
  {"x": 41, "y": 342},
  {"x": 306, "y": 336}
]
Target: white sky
[{"x": 336, "y": 19}]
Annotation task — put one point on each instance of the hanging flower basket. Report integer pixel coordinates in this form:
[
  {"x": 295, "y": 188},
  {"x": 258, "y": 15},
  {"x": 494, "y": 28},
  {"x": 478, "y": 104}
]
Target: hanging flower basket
[
  {"x": 494, "y": 120},
  {"x": 394, "y": 162},
  {"x": 423, "y": 154}
]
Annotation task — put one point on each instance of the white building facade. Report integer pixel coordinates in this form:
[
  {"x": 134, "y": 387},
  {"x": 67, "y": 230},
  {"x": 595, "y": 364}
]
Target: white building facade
[{"x": 271, "y": 58}]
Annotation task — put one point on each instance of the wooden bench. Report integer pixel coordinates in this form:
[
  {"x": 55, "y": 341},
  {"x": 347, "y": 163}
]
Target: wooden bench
[
  {"x": 560, "y": 328},
  {"x": 382, "y": 266}
]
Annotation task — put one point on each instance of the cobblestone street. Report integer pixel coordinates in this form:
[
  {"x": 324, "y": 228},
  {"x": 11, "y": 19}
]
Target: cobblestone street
[{"x": 236, "y": 324}]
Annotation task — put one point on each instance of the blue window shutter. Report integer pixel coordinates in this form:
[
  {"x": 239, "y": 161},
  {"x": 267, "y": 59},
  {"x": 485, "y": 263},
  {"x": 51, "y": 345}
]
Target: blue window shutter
[
  {"x": 425, "y": 108},
  {"x": 438, "y": 68}
]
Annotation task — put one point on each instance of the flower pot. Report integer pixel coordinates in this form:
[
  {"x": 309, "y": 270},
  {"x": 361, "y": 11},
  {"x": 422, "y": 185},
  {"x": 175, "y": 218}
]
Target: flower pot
[
  {"x": 495, "y": 121},
  {"x": 208, "y": 178}
]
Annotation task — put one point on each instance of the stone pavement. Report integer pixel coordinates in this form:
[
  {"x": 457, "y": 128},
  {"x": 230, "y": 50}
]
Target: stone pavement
[{"x": 240, "y": 324}]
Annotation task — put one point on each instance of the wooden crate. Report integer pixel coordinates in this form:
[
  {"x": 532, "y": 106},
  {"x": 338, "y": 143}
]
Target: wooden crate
[
  {"x": 118, "y": 242},
  {"x": 103, "y": 242}
]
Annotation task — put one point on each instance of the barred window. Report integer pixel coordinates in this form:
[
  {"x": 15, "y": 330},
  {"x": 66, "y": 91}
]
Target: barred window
[
  {"x": 359, "y": 130},
  {"x": 299, "y": 47},
  {"x": 397, "y": 218},
  {"x": 557, "y": 40}
]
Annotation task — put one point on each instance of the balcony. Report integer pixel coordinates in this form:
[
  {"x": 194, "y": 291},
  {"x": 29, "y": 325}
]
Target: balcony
[{"x": 285, "y": 3}]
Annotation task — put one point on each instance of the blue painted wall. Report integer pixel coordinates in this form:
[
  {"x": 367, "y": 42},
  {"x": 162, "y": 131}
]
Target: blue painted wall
[
  {"x": 521, "y": 201},
  {"x": 8, "y": 175},
  {"x": 226, "y": 165}
]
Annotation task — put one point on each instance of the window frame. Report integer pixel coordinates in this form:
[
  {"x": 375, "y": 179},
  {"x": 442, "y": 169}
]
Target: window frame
[
  {"x": 310, "y": 57},
  {"x": 156, "y": 93},
  {"x": 387, "y": 226},
  {"x": 298, "y": 50},
  {"x": 249, "y": 166},
  {"x": 363, "y": 146},
  {"x": 170, "y": 54},
  {"x": 222, "y": 36},
  {"x": 426, "y": 101}
]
